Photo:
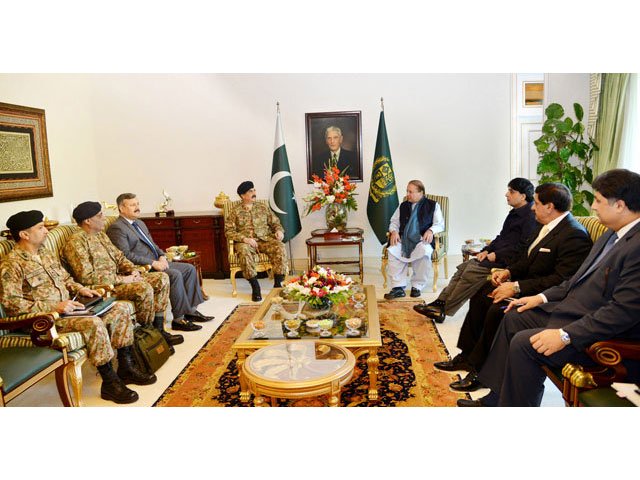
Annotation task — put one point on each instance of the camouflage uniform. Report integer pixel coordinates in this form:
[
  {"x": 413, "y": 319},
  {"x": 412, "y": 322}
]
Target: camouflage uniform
[
  {"x": 94, "y": 260},
  {"x": 259, "y": 223},
  {"x": 37, "y": 283}
]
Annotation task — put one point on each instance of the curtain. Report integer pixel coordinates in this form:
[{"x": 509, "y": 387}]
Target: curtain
[
  {"x": 610, "y": 123},
  {"x": 630, "y": 144}
]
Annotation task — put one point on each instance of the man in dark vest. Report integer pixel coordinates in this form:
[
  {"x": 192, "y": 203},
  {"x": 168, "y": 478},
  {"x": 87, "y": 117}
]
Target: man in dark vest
[{"x": 411, "y": 240}]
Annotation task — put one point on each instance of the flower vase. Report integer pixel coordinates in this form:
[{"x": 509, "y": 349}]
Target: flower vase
[{"x": 336, "y": 216}]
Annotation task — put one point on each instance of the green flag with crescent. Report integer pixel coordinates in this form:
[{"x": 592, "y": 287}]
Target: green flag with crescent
[
  {"x": 282, "y": 198},
  {"x": 383, "y": 195}
]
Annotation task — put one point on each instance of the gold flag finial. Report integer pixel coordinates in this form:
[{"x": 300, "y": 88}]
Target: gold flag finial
[{"x": 382, "y": 103}]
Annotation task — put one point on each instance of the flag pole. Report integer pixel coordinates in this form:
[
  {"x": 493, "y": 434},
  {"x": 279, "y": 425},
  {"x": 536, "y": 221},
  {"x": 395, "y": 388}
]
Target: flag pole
[
  {"x": 291, "y": 269},
  {"x": 382, "y": 103}
]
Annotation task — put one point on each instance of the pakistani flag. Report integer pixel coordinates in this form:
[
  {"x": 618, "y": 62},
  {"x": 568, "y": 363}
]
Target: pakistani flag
[
  {"x": 383, "y": 195},
  {"x": 282, "y": 198}
]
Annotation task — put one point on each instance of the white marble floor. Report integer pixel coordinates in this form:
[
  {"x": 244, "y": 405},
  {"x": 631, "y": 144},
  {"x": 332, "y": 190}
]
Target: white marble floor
[{"x": 221, "y": 304}]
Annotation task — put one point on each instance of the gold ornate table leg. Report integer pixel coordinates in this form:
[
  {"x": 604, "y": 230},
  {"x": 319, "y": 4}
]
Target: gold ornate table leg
[
  {"x": 372, "y": 367},
  {"x": 244, "y": 390},
  {"x": 334, "y": 396},
  {"x": 259, "y": 401}
]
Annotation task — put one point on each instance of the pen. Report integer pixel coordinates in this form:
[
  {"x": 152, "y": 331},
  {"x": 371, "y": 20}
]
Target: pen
[{"x": 74, "y": 297}]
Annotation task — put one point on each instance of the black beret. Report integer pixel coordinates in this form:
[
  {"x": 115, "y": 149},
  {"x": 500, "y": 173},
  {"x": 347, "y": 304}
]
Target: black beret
[
  {"x": 86, "y": 210},
  {"x": 23, "y": 220},
  {"x": 244, "y": 187}
]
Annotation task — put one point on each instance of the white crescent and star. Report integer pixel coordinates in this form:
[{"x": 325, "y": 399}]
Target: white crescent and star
[{"x": 274, "y": 181}]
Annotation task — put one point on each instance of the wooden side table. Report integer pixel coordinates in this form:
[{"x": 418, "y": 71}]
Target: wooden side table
[{"x": 324, "y": 238}]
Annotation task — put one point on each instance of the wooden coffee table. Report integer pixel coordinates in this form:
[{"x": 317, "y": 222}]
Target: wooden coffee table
[
  {"x": 296, "y": 370},
  {"x": 367, "y": 343}
]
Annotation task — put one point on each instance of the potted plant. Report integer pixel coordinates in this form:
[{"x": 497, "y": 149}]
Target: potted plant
[{"x": 565, "y": 156}]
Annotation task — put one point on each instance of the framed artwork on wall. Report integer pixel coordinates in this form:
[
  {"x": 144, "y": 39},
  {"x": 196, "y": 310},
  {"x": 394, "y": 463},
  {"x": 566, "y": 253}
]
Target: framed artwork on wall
[
  {"x": 337, "y": 136},
  {"x": 24, "y": 154}
]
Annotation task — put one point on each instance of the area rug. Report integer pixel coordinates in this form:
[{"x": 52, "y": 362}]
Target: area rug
[{"x": 407, "y": 378}]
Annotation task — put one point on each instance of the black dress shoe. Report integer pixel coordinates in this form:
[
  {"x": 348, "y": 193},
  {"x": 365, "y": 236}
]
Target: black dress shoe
[
  {"x": 415, "y": 292},
  {"x": 470, "y": 383},
  {"x": 396, "y": 292},
  {"x": 197, "y": 317},
  {"x": 184, "y": 325},
  {"x": 433, "y": 313},
  {"x": 463, "y": 402},
  {"x": 456, "y": 363}
]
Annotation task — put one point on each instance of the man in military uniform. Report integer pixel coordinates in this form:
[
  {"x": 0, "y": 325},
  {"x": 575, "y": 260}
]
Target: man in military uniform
[
  {"x": 93, "y": 259},
  {"x": 256, "y": 229},
  {"x": 32, "y": 280}
]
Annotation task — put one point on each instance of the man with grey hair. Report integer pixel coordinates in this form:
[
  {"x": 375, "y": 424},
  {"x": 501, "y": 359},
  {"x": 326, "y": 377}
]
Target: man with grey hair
[{"x": 335, "y": 155}]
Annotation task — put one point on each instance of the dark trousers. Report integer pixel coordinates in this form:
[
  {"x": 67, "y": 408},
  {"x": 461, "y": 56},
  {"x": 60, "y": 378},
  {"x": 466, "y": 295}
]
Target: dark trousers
[
  {"x": 185, "y": 294},
  {"x": 513, "y": 369},
  {"x": 480, "y": 326}
]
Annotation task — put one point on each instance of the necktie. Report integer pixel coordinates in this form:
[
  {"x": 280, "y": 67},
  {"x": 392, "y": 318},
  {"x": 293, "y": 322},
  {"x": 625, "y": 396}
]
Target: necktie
[
  {"x": 145, "y": 239},
  {"x": 608, "y": 246},
  {"x": 543, "y": 233},
  {"x": 334, "y": 159}
]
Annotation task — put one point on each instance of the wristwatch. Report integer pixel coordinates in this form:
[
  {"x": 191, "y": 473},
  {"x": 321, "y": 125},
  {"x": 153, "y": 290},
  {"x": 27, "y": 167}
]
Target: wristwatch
[
  {"x": 516, "y": 288},
  {"x": 564, "y": 336}
]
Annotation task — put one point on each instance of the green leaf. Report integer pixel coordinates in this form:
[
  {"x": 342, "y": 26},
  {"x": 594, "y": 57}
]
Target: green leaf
[
  {"x": 588, "y": 176},
  {"x": 578, "y": 198},
  {"x": 577, "y": 108},
  {"x": 569, "y": 122},
  {"x": 563, "y": 128},
  {"x": 554, "y": 110},
  {"x": 565, "y": 153},
  {"x": 541, "y": 145},
  {"x": 548, "y": 164},
  {"x": 548, "y": 128},
  {"x": 569, "y": 179},
  {"x": 588, "y": 196},
  {"x": 578, "y": 128},
  {"x": 580, "y": 211}
]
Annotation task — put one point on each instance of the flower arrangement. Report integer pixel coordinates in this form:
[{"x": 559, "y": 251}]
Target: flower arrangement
[
  {"x": 334, "y": 188},
  {"x": 319, "y": 285}
]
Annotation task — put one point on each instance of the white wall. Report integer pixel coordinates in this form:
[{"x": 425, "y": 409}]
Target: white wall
[
  {"x": 70, "y": 134},
  {"x": 199, "y": 134}
]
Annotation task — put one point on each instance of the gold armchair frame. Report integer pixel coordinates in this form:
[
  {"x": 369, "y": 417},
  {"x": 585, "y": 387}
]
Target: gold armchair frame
[
  {"x": 262, "y": 261},
  {"x": 441, "y": 245}
]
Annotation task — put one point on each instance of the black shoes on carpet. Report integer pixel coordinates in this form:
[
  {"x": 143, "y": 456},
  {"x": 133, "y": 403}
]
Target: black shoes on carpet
[
  {"x": 198, "y": 317},
  {"x": 456, "y": 363},
  {"x": 433, "y": 310},
  {"x": 184, "y": 325},
  {"x": 470, "y": 383},
  {"x": 396, "y": 292}
]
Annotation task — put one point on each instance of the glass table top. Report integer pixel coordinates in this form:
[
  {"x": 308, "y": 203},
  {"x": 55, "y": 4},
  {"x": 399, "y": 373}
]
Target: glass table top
[{"x": 296, "y": 361}]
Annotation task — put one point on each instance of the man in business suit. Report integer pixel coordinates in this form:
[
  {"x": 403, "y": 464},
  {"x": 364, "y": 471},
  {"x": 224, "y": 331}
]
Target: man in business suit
[
  {"x": 598, "y": 303},
  {"x": 557, "y": 250},
  {"x": 507, "y": 247},
  {"x": 335, "y": 155},
  {"x": 133, "y": 238}
]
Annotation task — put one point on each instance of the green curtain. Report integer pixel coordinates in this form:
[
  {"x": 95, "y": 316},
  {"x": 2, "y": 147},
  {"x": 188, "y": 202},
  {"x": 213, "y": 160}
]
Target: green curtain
[{"x": 610, "y": 121}]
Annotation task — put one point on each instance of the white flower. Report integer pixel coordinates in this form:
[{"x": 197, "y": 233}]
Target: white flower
[
  {"x": 330, "y": 198},
  {"x": 317, "y": 185}
]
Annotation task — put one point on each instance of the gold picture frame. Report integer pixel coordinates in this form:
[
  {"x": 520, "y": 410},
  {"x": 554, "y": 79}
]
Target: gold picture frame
[{"x": 24, "y": 154}]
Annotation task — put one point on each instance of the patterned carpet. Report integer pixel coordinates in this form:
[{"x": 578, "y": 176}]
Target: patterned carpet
[{"x": 407, "y": 378}]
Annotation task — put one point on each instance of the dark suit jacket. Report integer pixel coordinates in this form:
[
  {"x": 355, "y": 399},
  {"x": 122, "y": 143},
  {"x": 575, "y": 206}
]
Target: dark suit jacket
[
  {"x": 606, "y": 303},
  {"x": 568, "y": 244},
  {"x": 127, "y": 239},
  {"x": 346, "y": 159},
  {"x": 514, "y": 238}
]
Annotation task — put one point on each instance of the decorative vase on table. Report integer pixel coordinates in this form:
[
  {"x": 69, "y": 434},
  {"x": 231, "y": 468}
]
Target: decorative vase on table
[{"x": 336, "y": 216}]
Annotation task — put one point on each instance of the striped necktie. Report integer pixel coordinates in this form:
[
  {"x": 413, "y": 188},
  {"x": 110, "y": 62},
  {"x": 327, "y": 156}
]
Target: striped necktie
[
  {"x": 145, "y": 239},
  {"x": 608, "y": 246}
]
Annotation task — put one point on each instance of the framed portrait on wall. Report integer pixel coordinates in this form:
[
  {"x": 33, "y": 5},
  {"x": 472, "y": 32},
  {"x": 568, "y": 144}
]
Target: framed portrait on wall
[
  {"x": 24, "y": 154},
  {"x": 334, "y": 136}
]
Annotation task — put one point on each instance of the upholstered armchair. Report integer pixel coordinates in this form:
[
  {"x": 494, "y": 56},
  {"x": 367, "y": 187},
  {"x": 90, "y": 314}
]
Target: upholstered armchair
[
  {"x": 25, "y": 359},
  {"x": 262, "y": 261},
  {"x": 441, "y": 245}
]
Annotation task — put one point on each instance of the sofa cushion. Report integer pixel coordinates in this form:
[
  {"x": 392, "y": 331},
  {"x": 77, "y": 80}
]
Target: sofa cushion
[{"x": 18, "y": 364}]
